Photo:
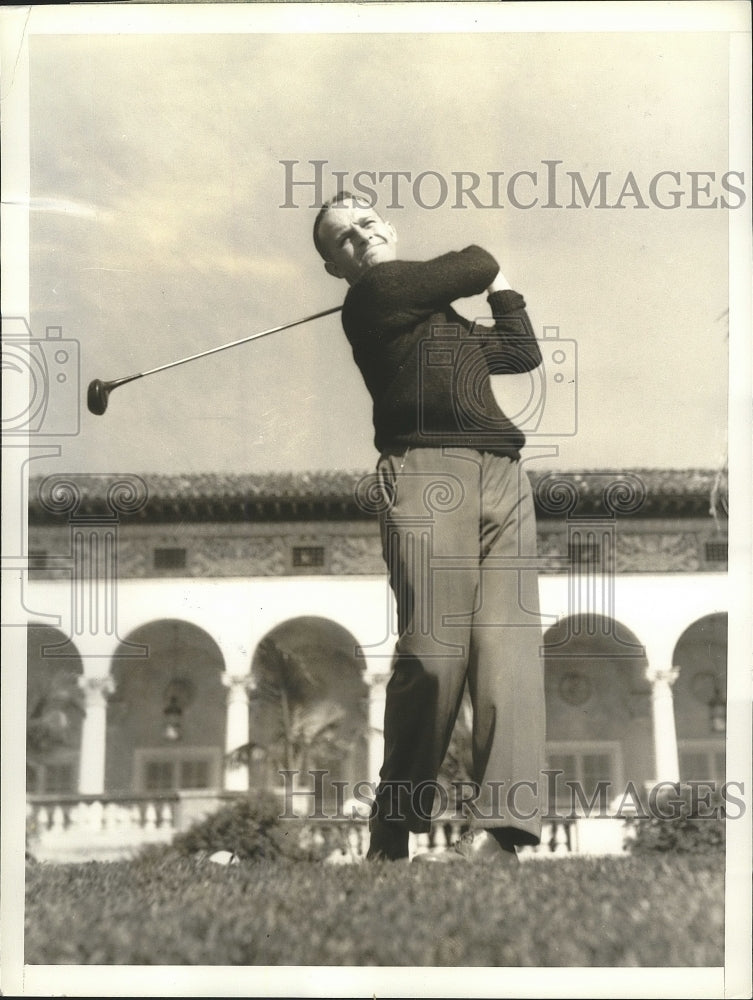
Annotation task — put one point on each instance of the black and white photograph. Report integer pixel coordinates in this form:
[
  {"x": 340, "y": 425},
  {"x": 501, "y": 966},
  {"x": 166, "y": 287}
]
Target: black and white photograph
[{"x": 376, "y": 499}]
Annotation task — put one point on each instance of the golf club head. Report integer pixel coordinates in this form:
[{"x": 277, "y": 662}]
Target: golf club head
[{"x": 97, "y": 396}]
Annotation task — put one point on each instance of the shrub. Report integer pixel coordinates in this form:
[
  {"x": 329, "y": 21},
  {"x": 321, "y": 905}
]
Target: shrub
[
  {"x": 681, "y": 822},
  {"x": 685, "y": 835},
  {"x": 252, "y": 829}
]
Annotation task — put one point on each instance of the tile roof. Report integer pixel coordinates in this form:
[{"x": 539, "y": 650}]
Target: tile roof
[{"x": 286, "y": 496}]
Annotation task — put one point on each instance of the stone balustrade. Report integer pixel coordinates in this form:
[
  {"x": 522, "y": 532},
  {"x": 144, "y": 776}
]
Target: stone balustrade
[
  {"x": 559, "y": 837},
  {"x": 84, "y": 828},
  {"x": 101, "y": 828}
]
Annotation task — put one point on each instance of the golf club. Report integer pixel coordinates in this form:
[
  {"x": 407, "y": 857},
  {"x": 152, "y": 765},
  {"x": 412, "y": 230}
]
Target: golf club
[{"x": 98, "y": 393}]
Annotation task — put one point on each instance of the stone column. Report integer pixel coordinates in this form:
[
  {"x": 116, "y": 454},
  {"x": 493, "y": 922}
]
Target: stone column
[
  {"x": 667, "y": 761},
  {"x": 377, "y": 682},
  {"x": 235, "y": 777},
  {"x": 91, "y": 780}
]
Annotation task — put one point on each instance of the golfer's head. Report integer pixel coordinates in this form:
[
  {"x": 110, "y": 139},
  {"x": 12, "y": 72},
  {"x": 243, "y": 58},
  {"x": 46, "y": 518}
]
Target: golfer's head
[{"x": 351, "y": 237}]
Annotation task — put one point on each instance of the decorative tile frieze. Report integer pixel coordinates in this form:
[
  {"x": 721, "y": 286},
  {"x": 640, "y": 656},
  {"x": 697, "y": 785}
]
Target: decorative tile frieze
[
  {"x": 345, "y": 550},
  {"x": 238, "y": 556},
  {"x": 658, "y": 552},
  {"x": 356, "y": 554},
  {"x": 636, "y": 552}
]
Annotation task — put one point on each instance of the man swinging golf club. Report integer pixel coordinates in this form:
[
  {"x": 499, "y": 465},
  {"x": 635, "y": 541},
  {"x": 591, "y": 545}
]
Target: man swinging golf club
[{"x": 458, "y": 513}]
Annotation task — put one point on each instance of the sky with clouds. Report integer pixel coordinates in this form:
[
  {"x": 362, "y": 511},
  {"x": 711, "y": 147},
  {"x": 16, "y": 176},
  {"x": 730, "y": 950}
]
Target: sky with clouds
[{"x": 157, "y": 230}]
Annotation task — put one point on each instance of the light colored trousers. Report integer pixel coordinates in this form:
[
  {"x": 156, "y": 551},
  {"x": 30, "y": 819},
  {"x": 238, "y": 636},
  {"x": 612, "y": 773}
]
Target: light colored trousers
[{"x": 459, "y": 540}]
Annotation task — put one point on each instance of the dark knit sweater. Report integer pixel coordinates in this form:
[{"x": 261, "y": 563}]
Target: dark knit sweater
[{"x": 426, "y": 367}]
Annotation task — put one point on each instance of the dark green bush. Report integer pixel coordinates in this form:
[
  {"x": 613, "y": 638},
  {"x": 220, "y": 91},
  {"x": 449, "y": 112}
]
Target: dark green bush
[
  {"x": 685, "y": 835},
  {"x": 682, "y": 820},
  {"x": 250, "y": 828}
]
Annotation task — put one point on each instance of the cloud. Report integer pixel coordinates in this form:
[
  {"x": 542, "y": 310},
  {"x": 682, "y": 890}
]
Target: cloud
[{"x": 67, "y": 207}]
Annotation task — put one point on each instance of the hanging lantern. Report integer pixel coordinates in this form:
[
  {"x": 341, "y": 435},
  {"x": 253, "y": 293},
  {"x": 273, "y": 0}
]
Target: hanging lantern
[
  {"x": 173, "y": 716},
  {"x": 178, "y": 694},
  {"x": 718, "y": 713}
]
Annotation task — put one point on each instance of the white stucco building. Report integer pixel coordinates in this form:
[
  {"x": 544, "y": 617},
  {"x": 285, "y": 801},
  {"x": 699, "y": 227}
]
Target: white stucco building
[{"x": 153, "y": 597}]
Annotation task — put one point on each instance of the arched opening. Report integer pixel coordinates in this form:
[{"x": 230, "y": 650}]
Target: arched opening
[
  {"x": 598, "y": 709},
  {"x": 166, "y": 717},
  {"x": 700, "y": 699},
  {"x": 309, "y": 707},
  {"x": 54, "y": 714}
]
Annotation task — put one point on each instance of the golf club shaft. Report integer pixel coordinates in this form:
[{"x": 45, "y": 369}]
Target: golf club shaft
[{"x": 225, "y": 347}]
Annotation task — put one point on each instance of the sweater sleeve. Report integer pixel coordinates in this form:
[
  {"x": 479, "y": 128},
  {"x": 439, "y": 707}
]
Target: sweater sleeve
[
  {"x": 510, "y": 345},
  {"x": 398, "y": 294}
]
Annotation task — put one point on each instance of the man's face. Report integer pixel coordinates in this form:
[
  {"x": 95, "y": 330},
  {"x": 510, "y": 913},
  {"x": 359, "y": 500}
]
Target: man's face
[{"x": 354, "y": 239}]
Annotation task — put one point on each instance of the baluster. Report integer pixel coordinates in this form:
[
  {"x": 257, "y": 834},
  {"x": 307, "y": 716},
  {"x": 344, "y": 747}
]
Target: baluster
[
  {"x": 456, "y": 831},
  {"x": 122, "y": 816},
  {"x": 110, "y": 816},
  {"x": 547, "y": 836},
  {"x": 354, "y": 842},
  {"x": 150, "y": 817},
  {"x": 58, "y": 821},
  {"x": 166, "y": 816},
  {"x": 420, "y": 843},
  {"x": 75, "y": 816},
  {"x": 134, "y": 817},
  {"x": 95, "y": 815},
  {"x": 570, "y": 840},
  {"x": 441, "y": 840},
  {"x": 560, "y": 839},
  {"x": 43, "y": 819}
]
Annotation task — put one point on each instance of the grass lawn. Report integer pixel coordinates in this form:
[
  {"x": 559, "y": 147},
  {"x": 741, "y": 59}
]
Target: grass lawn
[{"x": 166, "y": 909}]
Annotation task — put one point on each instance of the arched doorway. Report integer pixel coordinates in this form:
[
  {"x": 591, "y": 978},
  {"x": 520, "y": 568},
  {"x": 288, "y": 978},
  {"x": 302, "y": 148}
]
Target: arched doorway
[
  {"x": 598, "y": 708},
  {"x": 308, "y": 707},
  {"x": 700, "y": 699},
  {"x": 54, "y": 714},
  {"x": 166, "y": 717}
]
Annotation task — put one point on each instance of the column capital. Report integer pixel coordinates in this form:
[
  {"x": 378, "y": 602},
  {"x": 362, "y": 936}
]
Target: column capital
[
  {"x": 376, "y": 678},
  {"x": 662, "y": 675},
  {"x": 238, "y": 685},
  {"x": 96, "y": 689}
]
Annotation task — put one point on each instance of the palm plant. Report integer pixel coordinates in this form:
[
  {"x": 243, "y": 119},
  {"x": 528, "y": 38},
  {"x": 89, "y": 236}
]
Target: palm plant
[
  {"x": 53, "y": 700},
  {"x": 300, "y": 723}
]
